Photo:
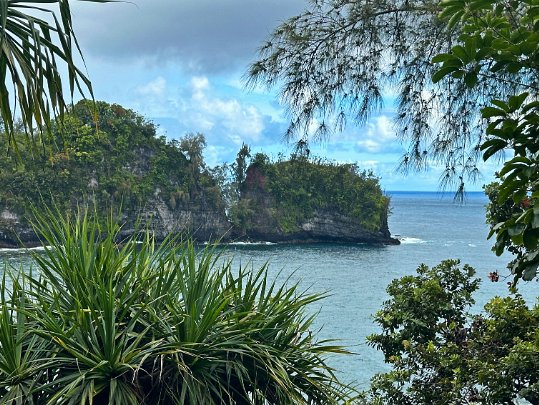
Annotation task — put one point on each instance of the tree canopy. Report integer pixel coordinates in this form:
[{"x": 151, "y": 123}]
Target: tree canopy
[
  {"x": 441, "y": 353},
  {"x": 499, "y": 42},
  {"x": 114, "y": 159},
  {"x": 340, "y": 59},
  {"x": 293, "y": 191},
  {"x": 466, "y": 77}
]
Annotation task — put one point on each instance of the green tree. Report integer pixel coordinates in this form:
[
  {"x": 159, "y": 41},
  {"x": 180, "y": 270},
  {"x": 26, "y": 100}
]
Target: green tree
[
  {"x": 500, "y": 42},
  {"x": 111, "y": 156},
  {"x": 300, "y": 187},
  {"x": 33, "y": 38},
  {"x": 442, "y": 354},
  {"x": 334, "y": 63},
  {"x": 240, "y": 166},
  {"x": 192, "y": 146}
]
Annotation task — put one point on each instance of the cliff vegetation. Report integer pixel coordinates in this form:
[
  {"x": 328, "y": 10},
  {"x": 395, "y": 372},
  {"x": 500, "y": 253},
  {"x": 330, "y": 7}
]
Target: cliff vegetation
[{"x": 104, "y": 155}]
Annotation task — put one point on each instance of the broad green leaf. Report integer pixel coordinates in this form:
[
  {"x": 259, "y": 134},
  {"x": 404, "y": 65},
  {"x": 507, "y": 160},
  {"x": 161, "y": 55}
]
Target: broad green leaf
[
  {"x": 470, "y": 79},
  {"x": 530, "y": 271},
  {"x": 442, "y": 72},
  {"x": 489, "y": 112}
]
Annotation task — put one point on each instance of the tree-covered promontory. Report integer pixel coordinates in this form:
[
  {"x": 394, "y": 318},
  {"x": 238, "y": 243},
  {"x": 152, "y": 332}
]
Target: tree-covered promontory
[
  {"x": 304, "y": 199},
  {"x": 104, "y": 155}
]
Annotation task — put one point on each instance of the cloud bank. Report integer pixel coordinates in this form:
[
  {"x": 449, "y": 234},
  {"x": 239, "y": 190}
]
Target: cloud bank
[{"x": 203, "y": 36}]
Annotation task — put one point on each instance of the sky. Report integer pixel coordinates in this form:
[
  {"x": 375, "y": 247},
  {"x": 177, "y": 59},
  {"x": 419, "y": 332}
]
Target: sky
[{"x": 182, "y": 64}]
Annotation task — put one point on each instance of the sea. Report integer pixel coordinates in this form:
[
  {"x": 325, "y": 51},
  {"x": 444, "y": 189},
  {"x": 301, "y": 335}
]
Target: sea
[{"x": 431, "y": 228}]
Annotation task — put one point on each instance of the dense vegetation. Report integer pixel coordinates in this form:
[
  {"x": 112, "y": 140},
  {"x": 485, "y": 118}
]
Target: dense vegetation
[
  {"x": 132, "y": 323},
  {"x": 442, "y": 354},
  {"x": 466, "y": 75},
  {"x": 301, "y": 186},
  {"x": 104, "y": 155},
  {"x": 109, "y": 155},
  {"x": 500, "y": 43},
  {"x": 128, "y": 324}
]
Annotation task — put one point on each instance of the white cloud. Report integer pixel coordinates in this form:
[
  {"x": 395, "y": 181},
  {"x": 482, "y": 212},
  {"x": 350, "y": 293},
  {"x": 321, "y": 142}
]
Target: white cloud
[
  {"x": 239, "y": 122},
  {"x": 198, "y": 107},
  {"x": 199, "y": 84},
  {"x": 379, "y": 136},
  {"x": 155, "y": 88}
]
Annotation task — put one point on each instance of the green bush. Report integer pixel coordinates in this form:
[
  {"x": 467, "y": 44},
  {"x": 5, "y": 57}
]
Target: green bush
[
  {"x": 441, "y": 354},
  {"x": 103, "y": 320}
]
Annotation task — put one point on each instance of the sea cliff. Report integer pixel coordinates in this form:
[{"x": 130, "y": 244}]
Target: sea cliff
[{"x": 114, "y": 163}]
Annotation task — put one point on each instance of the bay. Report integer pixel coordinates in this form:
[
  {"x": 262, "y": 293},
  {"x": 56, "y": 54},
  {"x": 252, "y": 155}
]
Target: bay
[{"x": 431, "y": 227}]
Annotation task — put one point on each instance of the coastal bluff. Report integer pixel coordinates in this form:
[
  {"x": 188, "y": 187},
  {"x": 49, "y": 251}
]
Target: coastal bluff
[
  {"x": 203, "y": 224},
  {"x": 310, "y": 202},
  {"x": 114, "y": 163}
]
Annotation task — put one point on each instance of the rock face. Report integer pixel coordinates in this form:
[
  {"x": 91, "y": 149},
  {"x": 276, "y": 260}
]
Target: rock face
[
  {"x": 13, "y": 231},
  {"x": 205, "y": 224},
  {"x": 199, "y": 221},
  {"x": 194, "y": 220},
  {"x": 322, "y": 227}
]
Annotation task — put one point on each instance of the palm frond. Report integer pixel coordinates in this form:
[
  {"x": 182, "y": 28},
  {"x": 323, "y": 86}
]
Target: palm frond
[{"x": 37, "y": 39}]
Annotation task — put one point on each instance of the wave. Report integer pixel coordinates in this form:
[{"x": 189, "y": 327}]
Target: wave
[
  {"x": 21, "y": 250},
  {"x": 250, "y": 243},
  {"x": 407, "y": 240}
]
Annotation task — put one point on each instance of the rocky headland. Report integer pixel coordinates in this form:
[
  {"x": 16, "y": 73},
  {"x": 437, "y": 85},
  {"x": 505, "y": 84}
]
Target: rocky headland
[{"x": 119, "y": 161}]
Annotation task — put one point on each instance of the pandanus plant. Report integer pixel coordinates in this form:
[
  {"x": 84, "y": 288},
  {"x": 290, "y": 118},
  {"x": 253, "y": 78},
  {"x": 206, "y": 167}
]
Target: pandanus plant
[{"x": 109, "y": 321}]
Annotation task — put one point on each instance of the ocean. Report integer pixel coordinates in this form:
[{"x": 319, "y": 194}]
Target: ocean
[{"x": 431, "y": 227}]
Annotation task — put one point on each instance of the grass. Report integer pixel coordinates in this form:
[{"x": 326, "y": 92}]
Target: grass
[{"x": 103, "y": 322}]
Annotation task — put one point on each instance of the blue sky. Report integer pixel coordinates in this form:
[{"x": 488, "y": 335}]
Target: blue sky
[{"x": 180, "y": 63}]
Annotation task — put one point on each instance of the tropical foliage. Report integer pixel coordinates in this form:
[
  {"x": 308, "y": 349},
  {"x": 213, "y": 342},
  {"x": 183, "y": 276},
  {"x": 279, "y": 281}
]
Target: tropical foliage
[
  {"x": 35, "y": 35},
  {"x": 442, "y": 354},
  {"x": 103, "y": 320},
  {"x": 105, "y": 154},
  {"x": 439, "y": 352},
  {"x": 335, "y": 62},
  {"x": 499, "y": 41},
  {"x": 300, "y": 186},
  {"x": 465, "y": 72}
]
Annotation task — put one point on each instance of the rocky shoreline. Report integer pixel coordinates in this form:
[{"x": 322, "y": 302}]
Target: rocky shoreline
[{"x": 204, "y": 225}]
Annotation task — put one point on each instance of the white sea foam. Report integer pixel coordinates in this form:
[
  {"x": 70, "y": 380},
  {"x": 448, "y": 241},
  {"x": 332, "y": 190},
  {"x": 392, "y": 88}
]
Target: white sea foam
[
  {"x": 406, "y": 240},
  {"x": 250, "y": 243},
  {"x": 21, "y": 250}
]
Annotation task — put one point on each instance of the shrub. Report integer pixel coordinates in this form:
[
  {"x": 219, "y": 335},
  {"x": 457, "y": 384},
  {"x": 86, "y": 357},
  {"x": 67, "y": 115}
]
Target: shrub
[
  {"x": 441, "y": 354},
  {"x": 125, "y": 322}
]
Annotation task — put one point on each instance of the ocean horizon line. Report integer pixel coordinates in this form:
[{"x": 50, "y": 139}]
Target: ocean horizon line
[{"x": 448, "y": 192}]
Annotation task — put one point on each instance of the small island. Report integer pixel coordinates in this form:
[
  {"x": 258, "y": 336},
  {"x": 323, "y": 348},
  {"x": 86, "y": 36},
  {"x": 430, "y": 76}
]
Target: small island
[{"x": 103, "y": 155}]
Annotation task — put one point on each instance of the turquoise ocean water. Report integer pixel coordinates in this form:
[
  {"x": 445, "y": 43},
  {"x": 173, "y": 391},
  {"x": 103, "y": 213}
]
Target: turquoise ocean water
[{"x": 431, "y": 227}]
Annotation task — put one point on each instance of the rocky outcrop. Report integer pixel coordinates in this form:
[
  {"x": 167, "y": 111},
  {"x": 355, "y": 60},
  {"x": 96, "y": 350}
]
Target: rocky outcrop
[
  {"x": 323, "y": 226},
  {"x": 200, "y": 222},
  {"x": 14, "y": 231}
]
